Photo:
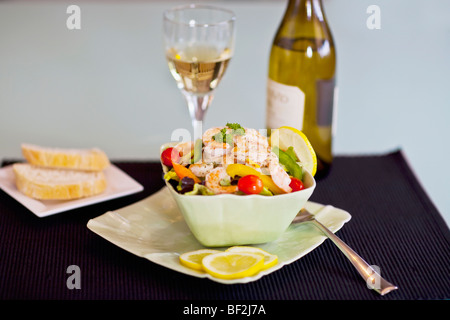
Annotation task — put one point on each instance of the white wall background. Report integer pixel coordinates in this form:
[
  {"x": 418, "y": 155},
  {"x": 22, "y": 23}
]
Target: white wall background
[{"x": 108, "y": 85}]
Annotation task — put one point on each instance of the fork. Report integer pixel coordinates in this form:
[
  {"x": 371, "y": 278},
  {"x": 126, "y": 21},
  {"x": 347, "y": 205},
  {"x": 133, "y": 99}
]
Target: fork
[{"x": 370, "y": 275}]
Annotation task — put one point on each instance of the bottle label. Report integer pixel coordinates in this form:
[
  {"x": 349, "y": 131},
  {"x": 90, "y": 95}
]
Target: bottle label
[
  {"x": 325, "y": 102},
  {"x": 285, "y": 105}
]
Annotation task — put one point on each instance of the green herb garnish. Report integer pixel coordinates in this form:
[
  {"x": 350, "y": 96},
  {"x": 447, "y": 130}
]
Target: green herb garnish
[
  {"x": 223, "y": 136},
  {"x": 237, "y": 129}
]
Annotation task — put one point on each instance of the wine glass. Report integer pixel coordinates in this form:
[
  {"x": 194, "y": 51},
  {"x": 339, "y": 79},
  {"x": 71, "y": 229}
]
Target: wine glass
[{"x": 199, "y": 43}]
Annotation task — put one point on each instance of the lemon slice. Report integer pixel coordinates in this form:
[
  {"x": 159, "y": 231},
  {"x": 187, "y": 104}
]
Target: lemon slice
[
  {"x": 285, "y": 137},
  {"x": 193, "y": 259},
  {"x": 269, "y": 259},
  {"x": 233, "y": 265}
]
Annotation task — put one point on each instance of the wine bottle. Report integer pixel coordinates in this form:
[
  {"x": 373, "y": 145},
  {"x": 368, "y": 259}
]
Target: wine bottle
[{"x": 301, "y": 81}]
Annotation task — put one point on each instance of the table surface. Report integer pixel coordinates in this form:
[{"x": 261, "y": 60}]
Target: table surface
[{"x": 394, "y": 225}]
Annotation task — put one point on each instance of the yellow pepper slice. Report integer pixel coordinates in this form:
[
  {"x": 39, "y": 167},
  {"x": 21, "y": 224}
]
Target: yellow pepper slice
[{"x": 242, "y": 170}]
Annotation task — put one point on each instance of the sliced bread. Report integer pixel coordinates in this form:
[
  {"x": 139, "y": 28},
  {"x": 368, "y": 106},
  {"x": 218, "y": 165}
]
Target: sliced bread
[
  {"x": 57, "y": 184},
  {"x": 77, "y": 159}
]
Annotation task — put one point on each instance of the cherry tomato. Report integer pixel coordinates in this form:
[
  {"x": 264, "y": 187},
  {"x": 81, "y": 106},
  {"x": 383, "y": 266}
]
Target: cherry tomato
[
  {"x": 296, "y": 184},
  {"x": 169, "y": 155},
  {"x": 250, "y": 184}
]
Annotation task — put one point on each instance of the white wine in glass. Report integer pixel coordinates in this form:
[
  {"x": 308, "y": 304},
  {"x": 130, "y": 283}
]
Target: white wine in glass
[{"x": 199, "y": 43}]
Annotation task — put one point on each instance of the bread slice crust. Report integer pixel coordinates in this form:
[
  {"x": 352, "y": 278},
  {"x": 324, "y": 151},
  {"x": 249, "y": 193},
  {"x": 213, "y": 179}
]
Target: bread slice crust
[
  {"x": 78, "y": 159},
  {"x": 57, "y": 184}
]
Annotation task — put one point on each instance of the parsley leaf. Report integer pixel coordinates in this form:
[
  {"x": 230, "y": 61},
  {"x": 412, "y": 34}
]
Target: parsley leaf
[
  {"x": 223, "y": 136},
  {"x": 234, "y": 126}
]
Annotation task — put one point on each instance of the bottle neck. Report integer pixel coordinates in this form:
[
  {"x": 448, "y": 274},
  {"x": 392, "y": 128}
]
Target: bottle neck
[
  {"x": 303, "y": 19},
  {"x": 311, "y": 9}
]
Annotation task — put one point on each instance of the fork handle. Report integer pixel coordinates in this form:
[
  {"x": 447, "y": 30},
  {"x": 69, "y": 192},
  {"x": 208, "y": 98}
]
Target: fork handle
[{"x": 373, "y": 279}]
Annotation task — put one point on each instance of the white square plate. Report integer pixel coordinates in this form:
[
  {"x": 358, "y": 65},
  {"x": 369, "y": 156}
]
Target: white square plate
[
  {"x": 154, "y": 228},
  {"x": 119, "y": 184}
]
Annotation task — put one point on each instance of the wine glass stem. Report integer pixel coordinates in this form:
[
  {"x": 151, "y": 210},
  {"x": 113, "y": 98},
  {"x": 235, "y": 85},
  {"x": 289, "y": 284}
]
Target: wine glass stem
[{"x": 198, "y": 104}]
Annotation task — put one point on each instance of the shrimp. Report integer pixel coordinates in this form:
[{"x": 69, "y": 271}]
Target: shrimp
[
  {"x": 214, "y": 178},
  {"x": 215, "y": 151},
  {"x": 252, "y": 147},
  {"x": 240, "y": 149},
  {"x": 258, "y": 147},
  {"x": 257, "y": 156},
  {"x": 253, "y": 136},
  {"x": 209, "y": 134},
  {"x": 279, "y": 176},
  {"x": 185, "y": 149},
  {"x": 201, "y": 169}
]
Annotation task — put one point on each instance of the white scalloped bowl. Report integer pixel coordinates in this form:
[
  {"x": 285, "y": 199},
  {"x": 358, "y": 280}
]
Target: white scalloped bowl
[{"x": 228, "y": 219}]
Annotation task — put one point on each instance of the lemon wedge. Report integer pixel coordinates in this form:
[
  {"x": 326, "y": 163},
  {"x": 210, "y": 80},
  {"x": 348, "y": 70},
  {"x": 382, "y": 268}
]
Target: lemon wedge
[
  {"x": 193, "y": 259},
  {"x": 233, "y": 265},
  {"x": 269, "y": 259},
  {"x": 285, "y": 137}
]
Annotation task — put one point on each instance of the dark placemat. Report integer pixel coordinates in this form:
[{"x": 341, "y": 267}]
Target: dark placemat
[{"x": 394, "y": 226}]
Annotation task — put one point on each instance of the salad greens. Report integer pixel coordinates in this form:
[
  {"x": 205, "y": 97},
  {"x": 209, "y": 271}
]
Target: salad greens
[{"x": 288, "y": 161}]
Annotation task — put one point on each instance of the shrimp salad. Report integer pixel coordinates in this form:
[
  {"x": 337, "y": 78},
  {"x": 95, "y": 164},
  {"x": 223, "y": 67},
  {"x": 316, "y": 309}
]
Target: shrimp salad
[{"x": 232, "y": 160}]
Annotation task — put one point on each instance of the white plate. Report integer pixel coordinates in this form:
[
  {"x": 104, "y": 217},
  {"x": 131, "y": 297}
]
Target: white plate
[
  {"x": 119, "y": 184},
  {"x": 154, "y": 228}
]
